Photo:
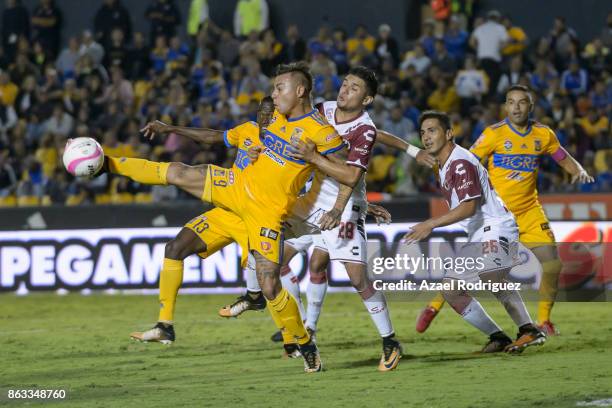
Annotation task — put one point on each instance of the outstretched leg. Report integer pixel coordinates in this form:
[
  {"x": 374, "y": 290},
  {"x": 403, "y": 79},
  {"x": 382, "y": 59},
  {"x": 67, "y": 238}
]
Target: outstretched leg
[{"x": 191, "y": 179}]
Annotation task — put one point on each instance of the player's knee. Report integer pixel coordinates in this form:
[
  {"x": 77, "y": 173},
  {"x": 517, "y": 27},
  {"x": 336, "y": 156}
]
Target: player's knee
[
  {"x": 175, "y": 249},
  {"x": 318, "y": 276}
]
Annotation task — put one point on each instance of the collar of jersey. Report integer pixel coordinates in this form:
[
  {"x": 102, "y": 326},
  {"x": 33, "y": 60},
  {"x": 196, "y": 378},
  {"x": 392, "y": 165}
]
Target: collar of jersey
[
  {"x": 301, "y": 117},
  {"x": 516, "y": 131}
]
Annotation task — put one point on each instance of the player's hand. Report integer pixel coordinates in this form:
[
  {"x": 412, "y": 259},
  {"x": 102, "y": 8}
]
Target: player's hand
[
  {"x": 154, "y": 127},
  {"x": 417, "y": 233},
  {"x": 582, "y": 177},
  {"x": 330, "y": 220},
  {"x": 253, "y": 152},
  {"x": 303, "y": 151},
  {"x": 379, "y": 213},
  {"x": 426, "y": 159}
]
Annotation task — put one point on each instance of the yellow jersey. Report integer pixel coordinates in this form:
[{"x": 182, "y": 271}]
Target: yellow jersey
[
  {"x": 514, "y": 159},
  {"x": 275, "y": 179},
  {"x": 242, "y": 137}
]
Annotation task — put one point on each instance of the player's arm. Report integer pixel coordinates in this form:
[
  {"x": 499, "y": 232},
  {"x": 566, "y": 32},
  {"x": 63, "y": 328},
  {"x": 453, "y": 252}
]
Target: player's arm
[
  {"x": 421, "y": 156},
  {"x": 331, "y": 219},
  {"x": 200, "y": 135},
  {"x": 568, "y": 163},
  {"x": 422, "y": 230}
]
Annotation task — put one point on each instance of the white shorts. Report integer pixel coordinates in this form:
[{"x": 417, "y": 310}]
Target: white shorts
[
  {"x": 303, "y": 243},
  {"x": 489, "y": 249},
  {"x": 345, "y": 243}
]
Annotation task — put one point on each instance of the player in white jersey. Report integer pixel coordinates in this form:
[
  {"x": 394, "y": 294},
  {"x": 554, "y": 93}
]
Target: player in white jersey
[{"x": 492, "y": 237}]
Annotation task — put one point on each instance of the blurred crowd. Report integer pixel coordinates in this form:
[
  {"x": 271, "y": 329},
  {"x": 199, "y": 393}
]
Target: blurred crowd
[{"x": 111, "y": 80}]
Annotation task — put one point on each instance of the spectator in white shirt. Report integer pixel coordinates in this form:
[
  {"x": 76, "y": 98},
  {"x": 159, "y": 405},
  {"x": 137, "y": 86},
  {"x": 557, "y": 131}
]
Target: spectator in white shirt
[
  {"x": 417, "y": 59},
  {"x": 489, "y": 39},
  {"x": 471, "y": 84}
]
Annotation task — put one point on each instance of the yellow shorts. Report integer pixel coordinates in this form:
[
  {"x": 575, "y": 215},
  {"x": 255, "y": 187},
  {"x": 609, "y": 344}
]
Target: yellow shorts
[
  {"x": 534, "y": 227},
  {"x": 224, "y": 188},
  {"x": 218, "y": 228}
]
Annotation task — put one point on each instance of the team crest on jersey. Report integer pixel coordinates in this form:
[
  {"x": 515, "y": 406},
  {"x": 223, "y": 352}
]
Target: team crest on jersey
[
  {"x": 538, "y": 145},
  {"x": 523, "y": 146},
  {"x": 283, "y": 129},
  {"x": 508, "y": 145},
  {"x": 296, "y": 136},
  {"x": 247, "y": 142}
]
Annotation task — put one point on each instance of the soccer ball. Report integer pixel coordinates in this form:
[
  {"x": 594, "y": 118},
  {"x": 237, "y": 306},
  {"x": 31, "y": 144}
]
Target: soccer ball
[{"x": 83, "y": 157}]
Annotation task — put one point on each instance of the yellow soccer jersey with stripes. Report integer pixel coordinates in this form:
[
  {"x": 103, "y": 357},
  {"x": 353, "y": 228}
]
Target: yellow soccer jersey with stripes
[
  {"x": 276, "y": 179},
  {"x": 513, "y": 160},
  {"x": 263, "y": 193},
  {"x": 219, "y": 227}
]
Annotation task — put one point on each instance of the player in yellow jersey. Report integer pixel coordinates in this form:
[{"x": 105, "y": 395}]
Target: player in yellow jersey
[
  {"x": 208, "y": 232},
  {"x": 513, "y": 149},
  {"x": 262, "y": 194}
]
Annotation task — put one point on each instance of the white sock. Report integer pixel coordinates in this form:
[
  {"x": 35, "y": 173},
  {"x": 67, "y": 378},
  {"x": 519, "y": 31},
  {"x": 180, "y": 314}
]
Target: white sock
[
  {"x": 251, "y": 276},
  {"x": 290, "y": 282},
  {"x": 379, "y": 312},
  {"x": 513, "y": 302},
  {"x": 475, "y": 315},
  {"x": 315, "y": 293}
]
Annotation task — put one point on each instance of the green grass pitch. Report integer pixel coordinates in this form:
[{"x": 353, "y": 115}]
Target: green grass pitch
[{"x": 81, "y": 344}]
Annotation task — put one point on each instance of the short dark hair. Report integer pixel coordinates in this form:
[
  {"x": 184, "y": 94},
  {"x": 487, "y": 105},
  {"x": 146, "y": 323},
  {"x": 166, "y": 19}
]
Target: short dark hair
[
  {"x": 521, "y": 88},
  {"x": 368, "y": 76},
  {"x": 300, "y": 68},
  {"x": 442, "y": 118}
]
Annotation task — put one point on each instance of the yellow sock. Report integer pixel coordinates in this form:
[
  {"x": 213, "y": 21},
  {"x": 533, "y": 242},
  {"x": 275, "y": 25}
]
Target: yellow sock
[
  {"x": 170, "y": 279},
  {"x": 139, "y": 170},
  {"x": 548, "y": 288},
  {"x": 289, "y": 316},
  {"x": 437, "y": 302},
  {"x": 287, "y": 337}
]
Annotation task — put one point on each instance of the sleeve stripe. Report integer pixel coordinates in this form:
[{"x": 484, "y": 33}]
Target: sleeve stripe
[
  {"x": 226, "y": 140},
  {"x": 361, "y": 166},
  {"x": 333, "y": 149},
  {"x": 468, "y": 198}
]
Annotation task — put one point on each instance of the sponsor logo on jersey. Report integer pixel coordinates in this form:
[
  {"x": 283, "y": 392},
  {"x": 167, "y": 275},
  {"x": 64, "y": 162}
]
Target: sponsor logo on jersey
[
  {"x": 266, "y": 246},
  {"x": 465, "y": 185},
  {"x": 538, "y": 145},
  {"x": 279, "y": 147},
  {"x": 268, "y": 233},
  {"x": 274, "y": 157},
  {"x": 544, "y": 226},
  {"x": 508, "y": 145},
  {"x": 283, "y": 129},
  {"x": 242, "y": 159},
  {"x": 519, "y": 162}
]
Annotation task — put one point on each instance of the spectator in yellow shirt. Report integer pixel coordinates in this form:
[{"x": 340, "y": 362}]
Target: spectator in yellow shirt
[
  {"x": 360, "y": 45},
  {"x": 518, "y": 38},
  {"x": 444, "y": 98},
  {"x": 8, "y": 90}
]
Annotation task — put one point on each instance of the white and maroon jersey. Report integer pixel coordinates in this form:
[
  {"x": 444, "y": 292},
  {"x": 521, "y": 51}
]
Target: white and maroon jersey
[
  {"x": 359, "y": 135},
  {"x": 463, "y": 178}
]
